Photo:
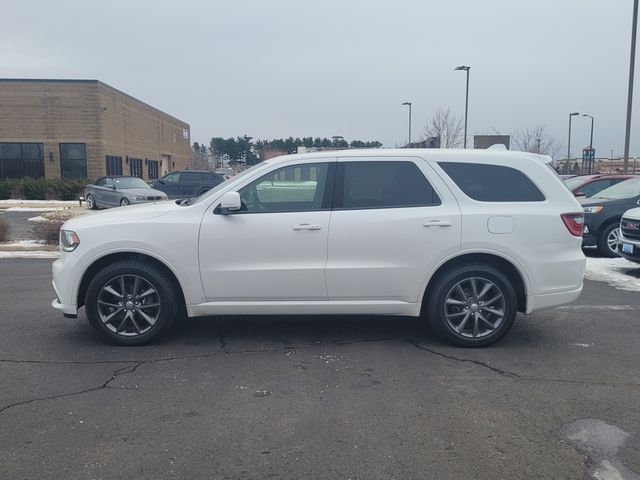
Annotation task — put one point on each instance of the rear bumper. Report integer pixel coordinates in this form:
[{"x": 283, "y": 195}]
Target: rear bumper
[
  {"x": 589, "y": 240},
  {"x": 548, "y": 301}
]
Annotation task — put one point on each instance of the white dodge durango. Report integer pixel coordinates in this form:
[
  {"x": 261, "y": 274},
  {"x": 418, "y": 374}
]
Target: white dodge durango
[{"x": 465, "y": 239}]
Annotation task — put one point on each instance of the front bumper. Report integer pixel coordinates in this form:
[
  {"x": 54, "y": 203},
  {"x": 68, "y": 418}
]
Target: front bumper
[
  {"x": 634, "y": 256},
  {"x": 70, "y": 311}
]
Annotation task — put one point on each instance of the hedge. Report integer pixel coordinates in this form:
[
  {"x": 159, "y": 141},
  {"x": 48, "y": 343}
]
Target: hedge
[{"x": 42, "y": 188}]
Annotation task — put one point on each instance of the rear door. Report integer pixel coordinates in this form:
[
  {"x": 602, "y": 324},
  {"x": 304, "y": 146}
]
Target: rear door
[{"x": 393, "y": 221}]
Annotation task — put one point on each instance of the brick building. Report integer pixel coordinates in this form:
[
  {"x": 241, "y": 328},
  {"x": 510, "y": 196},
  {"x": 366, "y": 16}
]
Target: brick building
[{"x": 85, "y": 128}]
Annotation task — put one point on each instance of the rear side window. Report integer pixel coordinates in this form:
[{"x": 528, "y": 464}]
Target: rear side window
[
  {"x": 362, "y": 185},
  {"x": 492, "y": 183},
  {"x": 190, "y": 177}
]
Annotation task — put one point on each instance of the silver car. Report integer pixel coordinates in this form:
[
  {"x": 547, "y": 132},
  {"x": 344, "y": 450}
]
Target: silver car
[{"x": 120, "y": 191}]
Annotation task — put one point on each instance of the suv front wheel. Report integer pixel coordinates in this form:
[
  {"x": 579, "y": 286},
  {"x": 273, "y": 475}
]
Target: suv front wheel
[
  {"x": 472, "y": 305},
  {"x": 131, "y": 303}
]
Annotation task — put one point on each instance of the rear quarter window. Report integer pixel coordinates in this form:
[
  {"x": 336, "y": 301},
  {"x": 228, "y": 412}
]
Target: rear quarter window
[{"x": 492, "y": 183}]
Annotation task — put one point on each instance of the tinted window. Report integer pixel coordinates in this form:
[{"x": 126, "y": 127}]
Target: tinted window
[
  {"x": 73, "y": 160},
  {"x": 114, "y": 165},
  {"x": 172, "y": 178},
  {"x": 592, "y": 188},
  {"x": 190, "y": 177},
  {"x": 289, "y": 189},
  {"x": 383, "y": 185},
  {"x": 492, "y": 183},
  {"x": 21, "y": 160},
  {"x": 135, "y": 167},
  {"x": 101, "y": 182}
]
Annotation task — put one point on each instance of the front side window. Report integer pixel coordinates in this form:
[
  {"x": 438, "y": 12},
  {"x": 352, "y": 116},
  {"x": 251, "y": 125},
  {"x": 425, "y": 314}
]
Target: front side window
[
  {"x": 383, "y": 184},
  {"x": 101, "y": 182},
  {"x": 109, "y": 183},
  {"x": 492, "y": 183},
  {"x": 172, "y": 178},
  {"x": 73, "y": 160},
  {"x": 294, "y": 188}
]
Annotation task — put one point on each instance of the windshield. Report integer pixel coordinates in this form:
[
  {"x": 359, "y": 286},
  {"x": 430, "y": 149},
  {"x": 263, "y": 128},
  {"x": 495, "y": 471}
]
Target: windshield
[
  {"x": 224, "y": 184},
  {"x": 572, "y": 183},
  {"x": 130, "y": 182},
  {"x": 627, "y": 189}
]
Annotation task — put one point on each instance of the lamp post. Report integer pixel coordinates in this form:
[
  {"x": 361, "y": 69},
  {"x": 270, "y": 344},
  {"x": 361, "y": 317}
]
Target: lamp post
[
  {"x": 566, "y": 165},
  {"x": 466, "y": 101},
  {"x": 590, "y": 143},
  {"x": 632, "y": 61},
  {"x": 409, "y": 104}
]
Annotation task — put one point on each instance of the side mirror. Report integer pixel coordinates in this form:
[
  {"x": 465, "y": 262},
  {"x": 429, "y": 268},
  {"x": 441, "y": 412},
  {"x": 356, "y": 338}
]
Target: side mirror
[
  {"x": 161, "y": 181},
  {"x": 229, "y": 203},
  {"x": 580, "y": 194}
]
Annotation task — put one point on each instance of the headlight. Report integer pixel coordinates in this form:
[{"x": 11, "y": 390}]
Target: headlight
[
  {"x": 69, "y": 240},
  {"x": 596, "y": 209},
  {"x": 139, "y": 197}
]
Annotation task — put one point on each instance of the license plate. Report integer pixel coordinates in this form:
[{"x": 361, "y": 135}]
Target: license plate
[{"x": 627, "y": 248}]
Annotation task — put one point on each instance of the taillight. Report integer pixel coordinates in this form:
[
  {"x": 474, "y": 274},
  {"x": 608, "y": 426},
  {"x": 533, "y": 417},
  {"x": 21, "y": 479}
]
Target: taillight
[{"x": 574, "y": 223}]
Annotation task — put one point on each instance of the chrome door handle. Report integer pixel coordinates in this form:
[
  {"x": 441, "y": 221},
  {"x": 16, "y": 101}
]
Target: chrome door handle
[
  {"x": 306, "y": 226},
  {"x": 437, "y": 223}
]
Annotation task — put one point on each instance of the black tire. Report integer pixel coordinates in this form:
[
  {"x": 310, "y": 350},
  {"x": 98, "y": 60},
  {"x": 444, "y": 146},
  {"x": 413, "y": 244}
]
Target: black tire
[
  {"x": 166, "y": 296},
  {"x": 603, "y": 240},
  {"x": 437, "y": 309},
  {"x": 124, "y": 202},
  {"x": 91, "y": 202}
]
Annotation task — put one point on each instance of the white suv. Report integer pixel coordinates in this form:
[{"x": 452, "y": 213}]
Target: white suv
[{"x": 463, "y": 238}]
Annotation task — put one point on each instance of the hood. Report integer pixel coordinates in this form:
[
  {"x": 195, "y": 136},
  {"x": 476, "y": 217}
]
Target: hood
[
  {"x": 634, "y": 214},
  {"x": 127, "y": 214},
  {"x": 588, "y": 202}
]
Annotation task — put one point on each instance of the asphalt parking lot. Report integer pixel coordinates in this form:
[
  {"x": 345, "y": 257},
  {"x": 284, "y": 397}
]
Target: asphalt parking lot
[{"x": 319, "y": 397}]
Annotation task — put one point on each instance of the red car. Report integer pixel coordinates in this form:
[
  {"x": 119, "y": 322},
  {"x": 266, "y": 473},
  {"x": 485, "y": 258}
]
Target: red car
[{"x": 589, "y": 185}]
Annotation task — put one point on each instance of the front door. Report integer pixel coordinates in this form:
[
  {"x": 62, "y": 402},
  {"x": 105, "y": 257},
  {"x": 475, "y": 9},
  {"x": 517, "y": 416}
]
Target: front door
[
  {"x": 390, "y": 226},
  {"x": 275, "y": 248}
]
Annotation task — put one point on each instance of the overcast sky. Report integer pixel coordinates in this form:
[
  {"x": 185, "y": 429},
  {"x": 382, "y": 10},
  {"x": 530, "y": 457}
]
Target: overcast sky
[{"x": 277, "y": 68}]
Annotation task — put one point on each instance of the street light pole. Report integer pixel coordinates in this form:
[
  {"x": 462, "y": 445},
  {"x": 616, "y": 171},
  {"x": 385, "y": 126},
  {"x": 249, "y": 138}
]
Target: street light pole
[
  {"x": 466, "y": 68},
  {"x": 590, "y": 143},
  {"x": 566, "y": 164},
  {"x": 632, "y": 62},
  {"x": 409, "y": 104}
]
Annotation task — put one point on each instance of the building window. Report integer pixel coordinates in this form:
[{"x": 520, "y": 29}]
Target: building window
[
  {"x": 19, "y": 160},
  {"x": 73, "y": 160},
  {"x": 153, "y": 169},
  {"x": 135, "y": 167},
  {"x": 114, "y": 165}
]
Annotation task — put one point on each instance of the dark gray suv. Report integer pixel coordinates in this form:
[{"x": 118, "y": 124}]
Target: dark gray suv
[{"x": 187, "y": 183}]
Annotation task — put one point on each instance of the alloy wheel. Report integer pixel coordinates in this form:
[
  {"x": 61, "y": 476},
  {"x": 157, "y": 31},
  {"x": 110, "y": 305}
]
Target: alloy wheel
[
  {"x": 128, "y": 305},
  {"x": 612, "y": 240},
  {"x": 89, "y": 201},
  {"x": 474, "y": 307}
]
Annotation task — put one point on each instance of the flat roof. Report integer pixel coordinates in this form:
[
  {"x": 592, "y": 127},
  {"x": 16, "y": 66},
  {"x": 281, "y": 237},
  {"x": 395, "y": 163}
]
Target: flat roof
[{"x": 88, "y": 81}]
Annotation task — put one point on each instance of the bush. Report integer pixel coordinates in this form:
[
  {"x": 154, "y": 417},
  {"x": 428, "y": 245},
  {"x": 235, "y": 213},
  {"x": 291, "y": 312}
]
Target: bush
[
  {"x": 4, "y": 230},
  {"x": 48, "y": 231},
  {"x": 42, "y": 188}
]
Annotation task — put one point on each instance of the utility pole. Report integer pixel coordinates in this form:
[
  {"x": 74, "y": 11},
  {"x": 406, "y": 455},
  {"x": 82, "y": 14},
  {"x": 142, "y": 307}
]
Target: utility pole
[{"x": 632, "y": 62}]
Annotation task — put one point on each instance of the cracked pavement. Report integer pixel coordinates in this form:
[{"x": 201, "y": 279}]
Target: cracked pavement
[{"x": 309, "y": 397}]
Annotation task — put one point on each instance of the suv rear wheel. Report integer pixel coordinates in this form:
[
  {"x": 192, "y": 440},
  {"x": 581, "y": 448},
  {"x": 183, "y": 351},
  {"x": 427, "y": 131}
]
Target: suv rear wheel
[
  {"x": 131, "y": 303},
  {"x": 472, "y": 305}
]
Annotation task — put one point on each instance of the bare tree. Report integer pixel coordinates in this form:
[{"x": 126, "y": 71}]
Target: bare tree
[
  {"x": 537, "y": 140},
  {"x": 446, "y": 125}
]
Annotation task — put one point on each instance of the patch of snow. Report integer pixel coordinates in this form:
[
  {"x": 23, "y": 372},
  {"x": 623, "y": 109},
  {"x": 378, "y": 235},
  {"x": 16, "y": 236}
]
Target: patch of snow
[
  {"x": 39, "y": 218},
  {"x": 620, "y": 273},
  {"x": 598, "y": 307},
  {"x": 33, "y": 209},
  {"x": 584, "y": 345},
  {"x": 13, "y": 201},
  {"x": 24, "y": 243},
  {"x": 30, "y": 254}
]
